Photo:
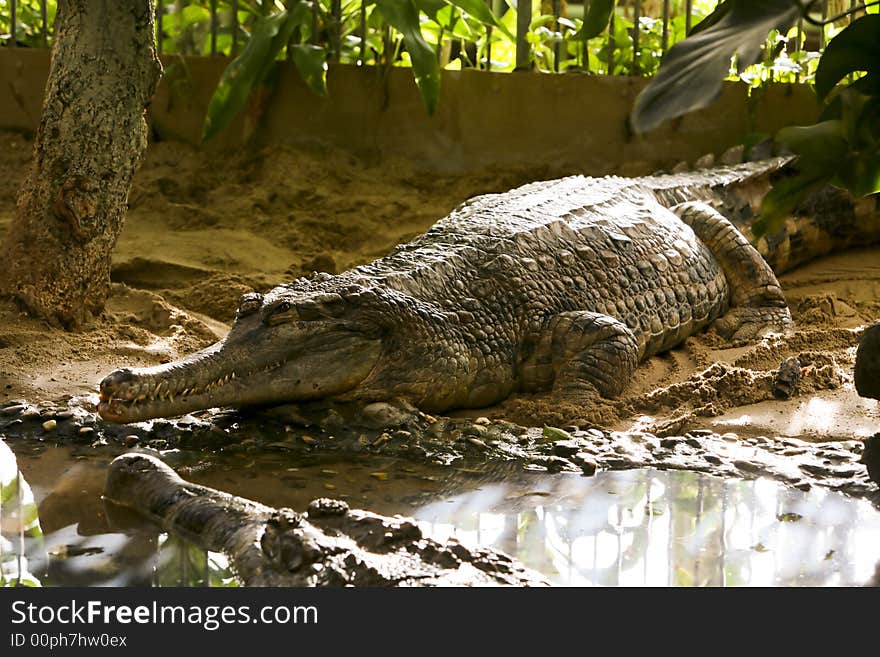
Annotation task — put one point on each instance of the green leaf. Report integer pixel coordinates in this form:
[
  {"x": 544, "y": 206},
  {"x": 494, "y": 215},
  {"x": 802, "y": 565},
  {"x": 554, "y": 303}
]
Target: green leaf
[
  {"x": 781, "y": 201},
  {"x": 720, "y": 11},
  {"x": 245, "y": 72},
  {"x": 823, "y": 151},
  {"x": 820, "y": 147},
  {"x": 692, "y": 71},
  {"x": 554, "y": 433},
  {"x": 596, "y": 20},
  {"x": 480, "y": 10},
  {"x": 404, "y": 17},
  {"x": 856, "y": 48},
  {"x": 431, "y": 7},
  {"x": 860, "y": 174},
  {"x": 311, "y": 62}
]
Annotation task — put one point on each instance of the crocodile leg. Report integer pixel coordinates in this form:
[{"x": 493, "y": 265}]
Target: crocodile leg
[
  {"x": 582, "y": 351},
  {"x": 758, "y": 305}
]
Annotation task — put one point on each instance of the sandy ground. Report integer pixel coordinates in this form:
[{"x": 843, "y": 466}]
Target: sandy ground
[{"x": 202, "y": 230}]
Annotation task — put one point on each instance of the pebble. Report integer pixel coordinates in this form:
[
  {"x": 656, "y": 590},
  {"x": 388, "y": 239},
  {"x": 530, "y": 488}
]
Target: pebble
[
  {"x": 130, "y": 440},
  {"x": 49, "y": 425},
  {"x": 12, "y": 410},
  {"x": 565, "y": 447},
  {"x": 746, "y": 466},
  {"x": 86, "y": 431},
  {"x": 587, "y": 464}
]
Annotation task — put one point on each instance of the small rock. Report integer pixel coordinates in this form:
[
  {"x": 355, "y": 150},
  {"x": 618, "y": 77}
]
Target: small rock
[
  {"x": 49, "y": 425},
  {"x": 871, "y": 457},
  {"x": 325, "y": 506},
  {"x": 788, "y": 379},
  {"x": 566, "y": 447},
  {"x": 12, "y": 410},
  {"x": 867, "y": 367},
  {"x": 130, "y": 440},
  {"x": 587, "y": 464},
  {"x": 384, "y": 415},
  {"x": 86, "y": 431},
  {"x": 746, "y": 466}
]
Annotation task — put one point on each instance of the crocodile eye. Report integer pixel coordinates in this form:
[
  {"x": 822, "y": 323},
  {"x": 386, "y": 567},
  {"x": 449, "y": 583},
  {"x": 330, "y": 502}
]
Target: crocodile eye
[{"x": 278, "y": 314}]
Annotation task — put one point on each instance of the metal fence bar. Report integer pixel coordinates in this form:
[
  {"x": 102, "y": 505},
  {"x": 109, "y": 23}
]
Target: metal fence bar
[
  {"x": 13, "y": 20},
  {"x": 213, "y": 7},
  {"x": 665, "y": 42},
  {"x": 488, "y": 39},
  {"x": 557, "y": 45},
  {"x": 688, "y": 10},
  {"x": 314, "y": 38},
  {"x": 288, "y": 51},
  {"x": 44, "y": 24},
  {"x": 636, "y": 67},
  {"x": 362, "y": 57},
  {"x": 586, "y": 60},
  {"x": 523, "y": 22},
  {"x": 822, "y": 27},
  {"x": 160, "y": 10},
  {"x": 336, "y": 34},
  {"x": 234, "y": 28},
  {"x": 610, "y": 70}
]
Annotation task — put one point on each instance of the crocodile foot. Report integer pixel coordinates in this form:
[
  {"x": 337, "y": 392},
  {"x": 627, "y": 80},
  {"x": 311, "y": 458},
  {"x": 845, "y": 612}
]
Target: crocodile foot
[{"x": 748, "y": 323}]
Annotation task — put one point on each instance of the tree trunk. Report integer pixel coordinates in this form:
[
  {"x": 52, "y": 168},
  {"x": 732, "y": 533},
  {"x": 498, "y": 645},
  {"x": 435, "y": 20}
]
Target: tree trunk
[{"x": 92, "y": 135}]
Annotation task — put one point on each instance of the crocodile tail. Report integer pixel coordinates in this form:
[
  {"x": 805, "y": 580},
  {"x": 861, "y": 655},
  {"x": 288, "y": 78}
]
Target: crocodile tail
[{"x": 827, "y": 220}]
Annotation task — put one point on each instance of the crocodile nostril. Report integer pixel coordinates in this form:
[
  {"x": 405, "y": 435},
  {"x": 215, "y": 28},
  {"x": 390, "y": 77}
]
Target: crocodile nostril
[
  {"x": 249, "y": 303},
  {"x": 117, "y": 377}
]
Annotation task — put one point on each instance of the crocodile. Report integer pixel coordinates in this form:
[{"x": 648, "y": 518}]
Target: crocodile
[{"x": 562, "y": 285}]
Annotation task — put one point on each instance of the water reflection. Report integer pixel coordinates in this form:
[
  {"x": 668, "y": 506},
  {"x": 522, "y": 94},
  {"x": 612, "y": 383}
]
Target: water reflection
[
  {"x": 651, "y": 528},
  {"x": 632, "y": 528}
]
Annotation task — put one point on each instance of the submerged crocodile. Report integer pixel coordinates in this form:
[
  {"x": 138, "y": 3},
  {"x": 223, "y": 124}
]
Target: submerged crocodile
[{"x": 561, "y": 285}]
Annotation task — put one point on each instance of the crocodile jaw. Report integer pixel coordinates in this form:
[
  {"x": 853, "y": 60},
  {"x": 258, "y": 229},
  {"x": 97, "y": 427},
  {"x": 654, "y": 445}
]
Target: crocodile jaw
[{"x": 227, "y": 375}]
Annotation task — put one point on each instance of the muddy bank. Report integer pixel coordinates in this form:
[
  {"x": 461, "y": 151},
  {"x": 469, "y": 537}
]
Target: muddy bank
[{"x": 202, "y": 230}]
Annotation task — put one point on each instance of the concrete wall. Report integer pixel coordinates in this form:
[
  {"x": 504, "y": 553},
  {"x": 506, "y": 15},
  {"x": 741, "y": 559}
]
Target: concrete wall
[{"x": 570, "y": 122}]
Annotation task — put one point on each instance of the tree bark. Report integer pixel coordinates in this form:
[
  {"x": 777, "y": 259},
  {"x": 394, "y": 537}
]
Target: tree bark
[{"x": 92, "y": 135}]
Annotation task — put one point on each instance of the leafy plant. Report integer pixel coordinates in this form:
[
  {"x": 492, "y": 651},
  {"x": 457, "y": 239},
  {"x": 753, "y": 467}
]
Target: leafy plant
[
  {"x": 19, "y": 520},
  {"x": 693, "y": 70},
  {"x": 842, "y": 149}
]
